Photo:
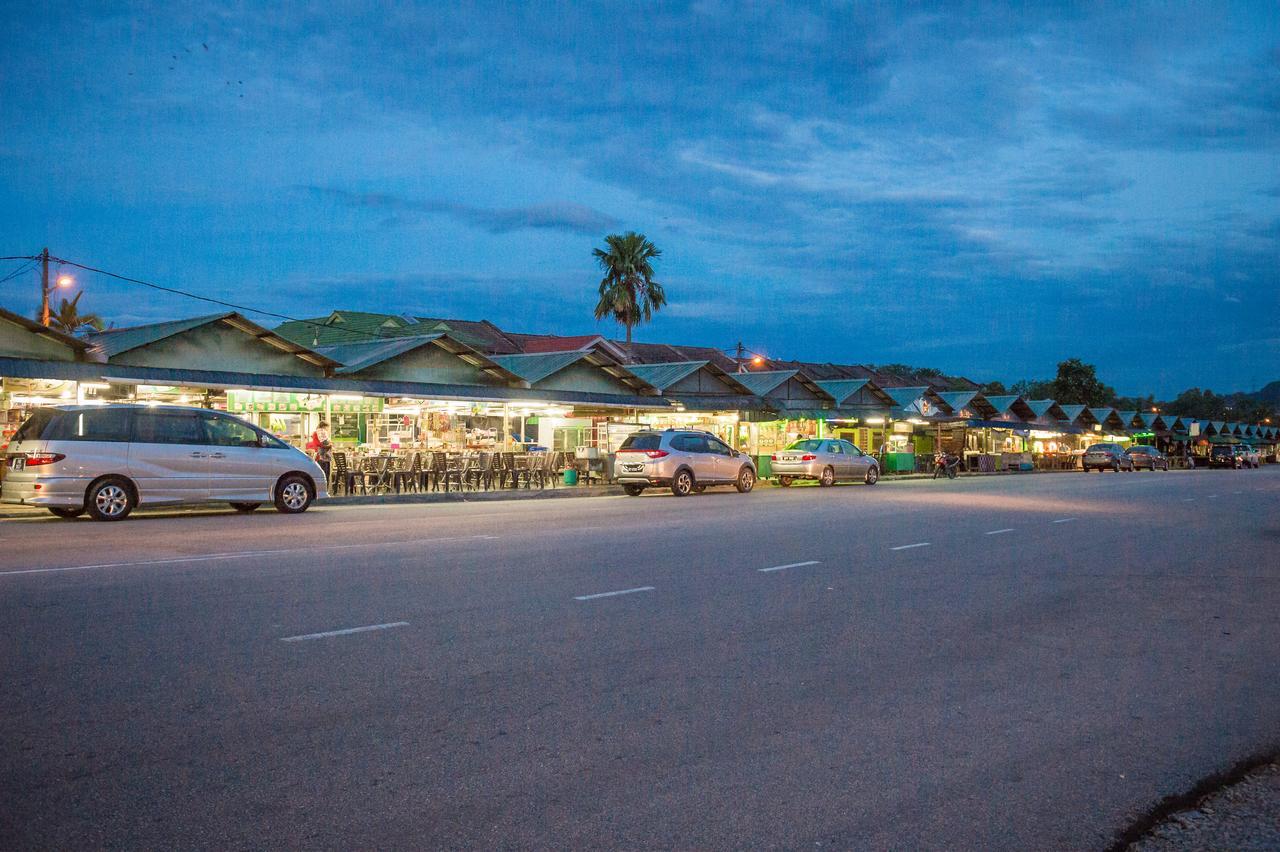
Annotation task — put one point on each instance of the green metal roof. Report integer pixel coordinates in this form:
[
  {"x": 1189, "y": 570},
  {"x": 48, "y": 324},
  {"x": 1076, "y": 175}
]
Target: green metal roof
[
  {"x": 1002, "y": 404},
  {"x": 36, "y": 328},
  {"x": 533, "y": 368},
  {"x": 121, "y": 340},
  {"x": 1073, "y": 412},
  {"x": 762, "y": 383},
  {"x": 957, "y": 400},
  {"x": 358, "y": 356},
  {"x": 1102, "y": 415},
  {"x": 841, "y": 389},
  {"x": 1040, "y": 406},
  {"x": 1127, "y": 416},
  {"x": 664, "y": 375}
]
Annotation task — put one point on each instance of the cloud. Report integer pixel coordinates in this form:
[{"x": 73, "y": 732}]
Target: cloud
[{"x": 556, "y": 216}]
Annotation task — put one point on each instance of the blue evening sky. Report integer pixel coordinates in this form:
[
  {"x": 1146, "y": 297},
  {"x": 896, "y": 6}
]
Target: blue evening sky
[{"x": 981, "y": 190}]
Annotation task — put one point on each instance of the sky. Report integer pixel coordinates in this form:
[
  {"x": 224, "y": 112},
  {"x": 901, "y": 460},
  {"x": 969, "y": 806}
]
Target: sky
[{"x": 976, "y": 189}]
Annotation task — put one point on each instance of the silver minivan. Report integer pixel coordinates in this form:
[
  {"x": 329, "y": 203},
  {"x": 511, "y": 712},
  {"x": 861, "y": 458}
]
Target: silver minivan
[{"x": 108, "y": 459}]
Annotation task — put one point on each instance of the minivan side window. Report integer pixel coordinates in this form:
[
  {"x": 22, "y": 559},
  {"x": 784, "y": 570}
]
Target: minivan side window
[
  {"x": 168, "y": 427},
  {"x": 92, "y": 424},
  {"x": 226, "y": 432}
]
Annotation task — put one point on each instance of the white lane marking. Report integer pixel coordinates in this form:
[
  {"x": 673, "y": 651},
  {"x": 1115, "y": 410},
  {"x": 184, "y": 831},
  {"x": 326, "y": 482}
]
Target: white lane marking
[
  {"x": 1064, "y": 520},
  {"x": 244, "y": 554},
  {"x": 1213, "y": 496},
  {"x": 1188, "y": 499},
  {"x": 613, "y": 594},
  {"x": 999, "y": 532},
  {"x": 909, "y": 546},
  {"x": 345, "y": 632},
  {"x": 789, "y": 565}
]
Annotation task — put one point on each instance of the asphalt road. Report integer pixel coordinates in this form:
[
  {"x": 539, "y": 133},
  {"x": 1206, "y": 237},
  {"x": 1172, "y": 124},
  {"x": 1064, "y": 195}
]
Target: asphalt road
[{"x": 1006, "y": 662}]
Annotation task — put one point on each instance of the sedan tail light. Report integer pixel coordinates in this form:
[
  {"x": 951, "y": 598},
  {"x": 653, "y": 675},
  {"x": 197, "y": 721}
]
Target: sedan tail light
[
  {"x": 808, "y": 457},
  {"x": 37, "y": 459},
  {"x": 773, "y": 457}
]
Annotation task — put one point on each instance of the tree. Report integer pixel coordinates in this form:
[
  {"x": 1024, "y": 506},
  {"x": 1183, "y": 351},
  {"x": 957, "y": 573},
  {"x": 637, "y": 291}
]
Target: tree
[
  {"x": 994, "y": 389},
  {"x": 628, "y": 292},
  {"x": 1077, "y": 383},
  {"x": 1033, "y": 388},
  {"x": 68, "y": 319}
]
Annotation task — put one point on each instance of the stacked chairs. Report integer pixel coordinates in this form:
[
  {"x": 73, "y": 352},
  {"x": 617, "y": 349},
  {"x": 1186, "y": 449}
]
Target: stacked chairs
[
  {"x": 482, "y": 473},
  {"x": 448, "y": 471}
]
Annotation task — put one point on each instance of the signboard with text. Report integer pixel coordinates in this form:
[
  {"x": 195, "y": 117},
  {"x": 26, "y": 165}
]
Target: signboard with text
[{"x": 297, "y": 403}]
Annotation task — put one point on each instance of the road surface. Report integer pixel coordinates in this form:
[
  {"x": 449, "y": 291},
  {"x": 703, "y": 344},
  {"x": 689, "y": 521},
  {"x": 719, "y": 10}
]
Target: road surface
[{"x": 1000, "y": 662}]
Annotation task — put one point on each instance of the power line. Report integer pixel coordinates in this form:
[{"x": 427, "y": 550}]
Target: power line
[
  {"x": 224, "y": 304},
  {"x": 21, "y": 269}
]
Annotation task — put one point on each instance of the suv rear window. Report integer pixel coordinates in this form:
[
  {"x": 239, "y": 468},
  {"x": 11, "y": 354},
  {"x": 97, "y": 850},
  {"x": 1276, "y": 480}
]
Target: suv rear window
[
  {"x": 93, "y": 424},
  {"x": 33, "y": 428},
  {"x": 641, "y": 441}
]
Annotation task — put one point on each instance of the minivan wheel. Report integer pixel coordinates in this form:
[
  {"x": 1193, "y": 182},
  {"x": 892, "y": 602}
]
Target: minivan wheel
[
  {"x": 67, "y": 511},
  {"x": 682, "y": 484},
  {"x": 873, "y": 475},
  {"x": 111, "y": 499},
  {"x": 746, "y": 480},
  {"x": 828, "y": 477},
  {"x": 293, "y": 495},
  {"x": 245, "y": 507}
]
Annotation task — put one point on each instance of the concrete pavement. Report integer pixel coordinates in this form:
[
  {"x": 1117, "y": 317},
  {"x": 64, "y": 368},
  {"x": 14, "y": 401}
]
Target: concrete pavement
[{"x": 1004, "y": 662}]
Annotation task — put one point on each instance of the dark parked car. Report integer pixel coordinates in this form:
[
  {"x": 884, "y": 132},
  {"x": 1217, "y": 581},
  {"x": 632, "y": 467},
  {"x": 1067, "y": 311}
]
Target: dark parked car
[
  {"x": 1102, "y": 457},
  {"x": 1144, "y": 456},
  {"x": 1234, "y": 456}
]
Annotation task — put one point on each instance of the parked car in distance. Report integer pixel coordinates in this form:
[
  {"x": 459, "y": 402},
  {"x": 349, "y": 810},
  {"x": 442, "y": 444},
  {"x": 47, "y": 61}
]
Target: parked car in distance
[
  {"x": 1106, "y": 456},
  {"x": 109, "y": 459},
  {"x": 825, "y": 460},
  {"x": 1146, "y": 456},
  {"x": 1234, "y": 456},
  {"x": 684, "y": 460}
]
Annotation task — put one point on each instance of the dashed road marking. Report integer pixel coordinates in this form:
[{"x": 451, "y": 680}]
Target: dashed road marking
[
  {"x": 790, "y": 565},
  {"x": 999, "y": 532},
  {"x": 909, "y": 546},
  {"x": 1064, "y": 520},
  {"x": 613, "y": 594},
  {"x": 346, "y": 631}
]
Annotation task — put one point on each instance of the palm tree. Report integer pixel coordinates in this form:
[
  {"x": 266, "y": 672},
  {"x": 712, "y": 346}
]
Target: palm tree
[
  {"x": 68, "y": 319},
  {"x": 628, "y": 292}
]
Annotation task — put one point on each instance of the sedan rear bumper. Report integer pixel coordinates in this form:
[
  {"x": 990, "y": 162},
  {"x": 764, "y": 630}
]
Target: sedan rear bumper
[{"x": 797, "y": 470}]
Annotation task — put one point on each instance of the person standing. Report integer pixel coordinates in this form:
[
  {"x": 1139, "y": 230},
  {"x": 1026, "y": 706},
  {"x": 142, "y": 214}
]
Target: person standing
[{"x": 323, "y": 444}]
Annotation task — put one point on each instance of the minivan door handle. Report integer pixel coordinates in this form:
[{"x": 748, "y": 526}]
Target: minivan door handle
[
  {"x": 198, "y": 455},
  {"x": 219, "y": 456}
]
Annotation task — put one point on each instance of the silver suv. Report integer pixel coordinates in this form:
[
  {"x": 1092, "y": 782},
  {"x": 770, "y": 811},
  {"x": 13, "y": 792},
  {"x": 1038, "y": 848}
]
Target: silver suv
[
  {"x": 683, "y": 460},
  {"x": 108, "y": 459}
]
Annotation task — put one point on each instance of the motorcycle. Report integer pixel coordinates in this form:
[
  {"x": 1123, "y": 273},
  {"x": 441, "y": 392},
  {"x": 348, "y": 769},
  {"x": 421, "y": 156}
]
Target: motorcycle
[{"x": 945, "y": 463}]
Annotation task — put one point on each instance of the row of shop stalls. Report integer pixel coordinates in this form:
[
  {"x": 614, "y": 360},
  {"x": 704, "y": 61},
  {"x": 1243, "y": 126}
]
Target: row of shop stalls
[{"x": 436, "y": 392}]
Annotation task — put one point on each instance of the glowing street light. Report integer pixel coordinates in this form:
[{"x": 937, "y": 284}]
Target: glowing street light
[{"x": 66, "y": 281}]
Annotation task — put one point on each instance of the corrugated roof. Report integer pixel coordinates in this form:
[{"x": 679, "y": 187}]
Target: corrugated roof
[
  {"x": 663, "y": 376},
  {"x": 120, "y": 340},
  {"x": 534, "y": 367},
  {"x": 1127, "y": 416},
  {"x": 36, "y": 328},
  {"x": 765, "y": 382},
  {"x": 957, "y": 400},
  {"x": 842, "y": 389},
  {"x": 358, "y": 356}
]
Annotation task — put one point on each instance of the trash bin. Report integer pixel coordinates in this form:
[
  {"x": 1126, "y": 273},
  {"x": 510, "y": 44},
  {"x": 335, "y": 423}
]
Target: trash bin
[{"x": 571, "y": 476}]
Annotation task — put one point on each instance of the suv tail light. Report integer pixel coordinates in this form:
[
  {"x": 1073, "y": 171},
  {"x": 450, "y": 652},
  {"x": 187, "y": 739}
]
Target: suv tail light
[
  {"x": 808, "y": 457},
  {"x": 37, "y": 459},
  {"x": 656, "y": 454}
]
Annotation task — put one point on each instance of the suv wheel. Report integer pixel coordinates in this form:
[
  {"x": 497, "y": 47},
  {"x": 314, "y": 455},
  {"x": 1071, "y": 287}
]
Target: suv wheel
[
  {"x": 828, "y": 476},
  {"x": 67, "y": 511},
  {"x": 109, "y": 500},
  {"x": 633, "y": 490},
  {"x": 682, "y": 483},
  {"x": 293, "y": 495},
  {"x": 746, "y": 480}
]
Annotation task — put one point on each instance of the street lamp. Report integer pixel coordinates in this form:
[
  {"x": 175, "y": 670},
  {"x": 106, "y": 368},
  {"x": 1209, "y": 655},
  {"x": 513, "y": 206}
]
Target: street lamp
[{"x": 62, "y": 281}]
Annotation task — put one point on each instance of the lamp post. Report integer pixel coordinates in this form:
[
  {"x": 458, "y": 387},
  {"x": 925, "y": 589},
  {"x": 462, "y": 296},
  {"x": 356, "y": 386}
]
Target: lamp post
[{"x": 45, "y": 289}]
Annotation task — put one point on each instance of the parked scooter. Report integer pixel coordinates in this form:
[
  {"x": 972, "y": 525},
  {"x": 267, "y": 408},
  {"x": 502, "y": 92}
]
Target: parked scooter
[{"x": 946, "y": 463}]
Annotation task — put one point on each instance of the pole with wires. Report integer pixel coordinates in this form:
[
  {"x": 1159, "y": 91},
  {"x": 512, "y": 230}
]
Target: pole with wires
[{"x": 44, "y": 287}]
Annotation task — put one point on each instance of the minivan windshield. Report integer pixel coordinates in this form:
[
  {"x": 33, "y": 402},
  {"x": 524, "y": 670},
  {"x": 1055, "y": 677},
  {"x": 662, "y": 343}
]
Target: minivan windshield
[{"x": 809, "y": 445}]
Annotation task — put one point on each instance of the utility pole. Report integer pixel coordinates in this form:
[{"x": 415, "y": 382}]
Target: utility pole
[
  {"x": 742, "y": 351},
  {"x": 44, "y": 287}
]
